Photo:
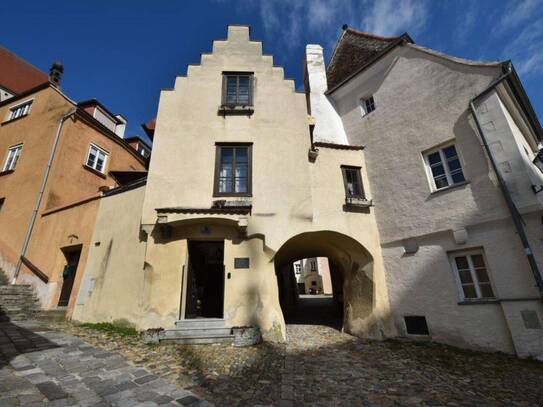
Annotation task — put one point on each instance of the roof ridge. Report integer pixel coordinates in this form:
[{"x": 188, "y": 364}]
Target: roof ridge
[{"x": 371, "y": 35}]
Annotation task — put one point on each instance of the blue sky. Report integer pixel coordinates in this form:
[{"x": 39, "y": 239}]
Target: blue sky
[{"x": 123, "y": 52}]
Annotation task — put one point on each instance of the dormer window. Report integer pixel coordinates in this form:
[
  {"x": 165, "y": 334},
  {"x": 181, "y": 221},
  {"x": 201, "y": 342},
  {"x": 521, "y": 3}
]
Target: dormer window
[
  {"x": 20, "y": 110},
  {"x": 367, "y": 105},
  {"x": 237, "y": 89}
]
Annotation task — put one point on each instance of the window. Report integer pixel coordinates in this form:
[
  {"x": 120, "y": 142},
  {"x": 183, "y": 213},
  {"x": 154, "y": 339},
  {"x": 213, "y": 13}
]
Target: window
[
  {"x": 237, "y": 89},
  {"x": 20, "y": 110},
  {"x": 416, "y": 325},
  {"x": 314, "y": 283},
  {"x": 313, "y": 266},
  {"x": 444, "y": 167},
  {"x": 352, "y": 181},
  {"x": 472, "y": 275},
  {"x": 2, "y": 200},
  {"x": 97, "y": 158},
  {"x": 367, "y": 105},
  {"x": 13, "y": 156},
  {"x": 298, "y": 268},
  {"x": 233, "y": 170}
]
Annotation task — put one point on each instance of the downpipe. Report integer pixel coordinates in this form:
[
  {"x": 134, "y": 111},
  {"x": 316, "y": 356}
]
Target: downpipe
[
  {"x": 40, "y": 195},
  {"x": 515, "y": 215}
]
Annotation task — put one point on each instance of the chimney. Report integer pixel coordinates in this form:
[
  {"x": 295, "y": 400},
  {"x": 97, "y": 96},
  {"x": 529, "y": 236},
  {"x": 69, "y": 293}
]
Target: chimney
[
  {"x": 328, "y": 125},
  {"x": 55, "y": 73}
]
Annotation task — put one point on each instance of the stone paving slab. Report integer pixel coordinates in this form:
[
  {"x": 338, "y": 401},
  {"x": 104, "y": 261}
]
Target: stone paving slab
[{"x": 39, "y": 366}]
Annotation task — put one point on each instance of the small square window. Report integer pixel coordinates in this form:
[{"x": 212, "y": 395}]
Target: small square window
[
  {"x": 20, "y": 110},
  {"x": 367, "y": 105},
  {"x": 416, "y": 325},
  {"x": 472, "y": 275},
  {"x": 13, "y": 156},
  {"x": 443, "y": 167},
  {"x": 237, "y": 89},
  {"x": 97, "y": 158}
]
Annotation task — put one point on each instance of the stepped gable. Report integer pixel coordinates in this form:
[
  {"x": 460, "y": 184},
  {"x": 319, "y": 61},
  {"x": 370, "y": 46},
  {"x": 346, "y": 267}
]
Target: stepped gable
[{"x": 355, "y": 49}]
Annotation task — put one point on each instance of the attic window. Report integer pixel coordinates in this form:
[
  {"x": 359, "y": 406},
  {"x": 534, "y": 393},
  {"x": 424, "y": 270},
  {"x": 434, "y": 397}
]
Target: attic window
[
  {"x": 237, "y": 89},
  {"x": 367, "y": 105},
  {"x": 20, "y": 110}
]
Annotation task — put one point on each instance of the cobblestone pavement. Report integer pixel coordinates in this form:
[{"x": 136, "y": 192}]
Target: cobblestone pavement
[
  {"x": 40, "y": 367},
  {"x": 320, "y": 366}
]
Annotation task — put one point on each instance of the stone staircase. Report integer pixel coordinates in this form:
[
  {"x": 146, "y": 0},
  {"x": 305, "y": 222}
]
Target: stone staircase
[
  {"x": 199, "y": 331},
  {"x": 17, "y": 302}
]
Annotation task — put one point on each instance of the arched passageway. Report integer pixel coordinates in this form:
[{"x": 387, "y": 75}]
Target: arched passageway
[{"x": 351, "y": 275}]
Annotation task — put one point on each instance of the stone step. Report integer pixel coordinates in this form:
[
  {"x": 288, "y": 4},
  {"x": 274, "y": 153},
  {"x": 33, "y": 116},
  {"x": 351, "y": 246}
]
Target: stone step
[
  {"x": 179, "y": 337},
  {"x": 56, "y": 314},
  {"x": 198, "y": 332},
  {"x": 199, "y": 323}
]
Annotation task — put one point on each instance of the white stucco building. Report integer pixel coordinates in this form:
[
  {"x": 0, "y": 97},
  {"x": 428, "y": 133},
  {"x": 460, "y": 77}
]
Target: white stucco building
[{"x": 451, "y": 214}]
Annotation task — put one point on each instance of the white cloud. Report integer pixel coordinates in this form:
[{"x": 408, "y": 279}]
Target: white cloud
[
  {"x": 295, "y": 22},
  {"x": 518, "y": 12},
  {"x": 526, "y": 51},
  {"x": 466, "y": 22},
  {"x": 389, "y": 17}
]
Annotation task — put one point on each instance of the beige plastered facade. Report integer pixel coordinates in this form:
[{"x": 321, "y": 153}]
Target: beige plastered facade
[{"x": 296, "y": 207}]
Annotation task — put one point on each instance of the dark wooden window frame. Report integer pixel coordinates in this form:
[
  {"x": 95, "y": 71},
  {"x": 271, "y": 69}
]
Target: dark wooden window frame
[
  {"x": 218, "y": 147},
  {"x": 358, "y": 171},
  {"x": 225, "y": 76}
]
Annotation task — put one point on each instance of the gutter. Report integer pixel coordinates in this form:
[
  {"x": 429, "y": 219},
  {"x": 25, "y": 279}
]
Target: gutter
[
  {"x": 40, "y": 195},
  {"x": 513, "y": 210}
]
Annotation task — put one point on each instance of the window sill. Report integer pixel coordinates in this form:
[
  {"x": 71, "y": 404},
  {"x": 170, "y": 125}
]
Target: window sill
[
  {"x": 219, "y": 195},
  {"x": 448, "y": 188},
  {"x": 7, "y": 172},
  {"x": 225, "y": 110},
  {"x": 8, "y": 121},
  {"x": 95, "y": 172},
  {"x": 480, "y": 301}
]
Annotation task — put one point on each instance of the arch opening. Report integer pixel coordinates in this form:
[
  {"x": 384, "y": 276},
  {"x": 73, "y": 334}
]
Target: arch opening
[{"x": 324, "y": 278}]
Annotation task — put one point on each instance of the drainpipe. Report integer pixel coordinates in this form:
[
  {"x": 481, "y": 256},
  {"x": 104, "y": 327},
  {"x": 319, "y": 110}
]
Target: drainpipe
[
  {"x": 515, "y": 215},
  {"x": 40, "y": 194}
]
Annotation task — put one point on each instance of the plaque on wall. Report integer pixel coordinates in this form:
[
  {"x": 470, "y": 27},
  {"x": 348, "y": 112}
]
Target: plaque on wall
[{"x": 241, "y": 262}]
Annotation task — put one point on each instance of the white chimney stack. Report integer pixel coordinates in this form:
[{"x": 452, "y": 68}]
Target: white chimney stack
[{"x": 328, "y": 124}]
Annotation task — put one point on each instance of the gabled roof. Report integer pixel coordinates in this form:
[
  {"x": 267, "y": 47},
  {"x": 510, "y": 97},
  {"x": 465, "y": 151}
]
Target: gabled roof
[
  {"x": 354, "y": 50},
  {"x": 17, "y": 75}
]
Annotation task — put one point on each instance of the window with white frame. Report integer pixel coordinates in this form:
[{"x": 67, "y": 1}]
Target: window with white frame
[
  {"x": 13, "y": 156},
  {"x": 97, "y": 158},
  {"x": 367, "y": 105},
  {"x": 20, "y": 110},
  {"x": 444, "y": 168},
  {"x": 472, "y": 275}
]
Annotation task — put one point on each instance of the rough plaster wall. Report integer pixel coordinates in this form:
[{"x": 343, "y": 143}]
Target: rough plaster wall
[
  {"x": 421, "y": 102},
  {"x": 112, "y": 285},
  {"x": 328, "y": 126}
]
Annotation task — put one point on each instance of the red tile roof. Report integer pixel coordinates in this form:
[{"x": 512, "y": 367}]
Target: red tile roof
[{"x": 17, "y": 75}]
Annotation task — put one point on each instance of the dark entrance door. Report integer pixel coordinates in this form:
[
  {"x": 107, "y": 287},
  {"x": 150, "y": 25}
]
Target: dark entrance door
[
  {"x": 68, "y": 275},
  {"x": 205, "y": 284}
]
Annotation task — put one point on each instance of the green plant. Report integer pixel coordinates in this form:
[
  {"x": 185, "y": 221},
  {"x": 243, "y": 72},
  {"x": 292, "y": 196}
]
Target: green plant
[{"x": 111, "y": 328}]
